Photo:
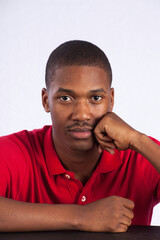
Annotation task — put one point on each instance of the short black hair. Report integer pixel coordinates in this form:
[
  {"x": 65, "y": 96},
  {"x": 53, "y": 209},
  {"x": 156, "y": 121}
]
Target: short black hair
[{"x": 76, "y": 52}]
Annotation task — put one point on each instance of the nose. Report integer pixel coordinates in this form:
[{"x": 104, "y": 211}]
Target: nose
[{"x": 81, "y": 111}]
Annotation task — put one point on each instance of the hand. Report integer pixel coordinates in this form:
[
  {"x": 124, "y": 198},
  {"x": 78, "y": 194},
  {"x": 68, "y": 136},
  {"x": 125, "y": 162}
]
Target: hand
[
  {"x": 112, "y": 132},
  {"x": 112, "y": 214}
]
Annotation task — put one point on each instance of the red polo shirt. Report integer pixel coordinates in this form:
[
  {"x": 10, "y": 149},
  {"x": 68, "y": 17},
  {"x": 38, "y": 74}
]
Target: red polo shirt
[{"x": 31, "y": 171}]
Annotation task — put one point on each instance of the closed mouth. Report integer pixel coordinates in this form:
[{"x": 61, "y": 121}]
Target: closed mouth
[
  {"x": 79, "y": 129},
  {"x": 80, "y": 133}
]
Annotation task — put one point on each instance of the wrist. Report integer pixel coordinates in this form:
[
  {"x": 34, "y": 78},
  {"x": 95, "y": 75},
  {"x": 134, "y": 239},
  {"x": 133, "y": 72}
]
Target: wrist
[
  {"x": 78, "y": 220},
  {"x": 83, "y": 220},
  {"x": 136, "y": 142}
]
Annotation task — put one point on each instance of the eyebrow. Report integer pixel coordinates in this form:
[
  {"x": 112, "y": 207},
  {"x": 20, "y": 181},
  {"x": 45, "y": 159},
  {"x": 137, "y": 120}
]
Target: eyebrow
[
  {"x": 98, "y": 90},
  {"x": 71, "y": 91},
  {"x": 65, "y": 90}
]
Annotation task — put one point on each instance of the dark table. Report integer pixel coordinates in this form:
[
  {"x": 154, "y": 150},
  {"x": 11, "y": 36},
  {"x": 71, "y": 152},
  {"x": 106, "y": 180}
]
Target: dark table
[{"x": 133, "y": 233}]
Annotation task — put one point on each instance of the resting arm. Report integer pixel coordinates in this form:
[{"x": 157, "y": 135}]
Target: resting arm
[
  {"x": 112, "y": 132},
  {"x": 112, "y": 214},
  {"x": 22, "y": 216}
]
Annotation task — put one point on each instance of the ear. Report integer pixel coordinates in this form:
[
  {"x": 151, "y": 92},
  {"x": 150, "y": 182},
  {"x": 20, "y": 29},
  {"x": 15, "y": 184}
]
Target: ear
[
  {"x": 112, "y": 100},
  {"x": 45, "y": 100}
]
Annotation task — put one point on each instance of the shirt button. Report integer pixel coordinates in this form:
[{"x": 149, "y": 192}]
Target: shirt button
[
  {"x": 83, "y": 199},
  {"x": 67, "y": 176}
]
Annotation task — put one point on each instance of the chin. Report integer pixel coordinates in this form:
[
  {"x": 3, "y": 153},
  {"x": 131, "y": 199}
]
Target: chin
[{"x": 82, "y": 146}]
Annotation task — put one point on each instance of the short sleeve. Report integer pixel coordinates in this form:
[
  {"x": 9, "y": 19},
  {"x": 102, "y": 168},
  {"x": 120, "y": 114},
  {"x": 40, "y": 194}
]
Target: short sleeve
[
  {"x": 13, "y": 166},
  {"x": 153, "y": 177}
]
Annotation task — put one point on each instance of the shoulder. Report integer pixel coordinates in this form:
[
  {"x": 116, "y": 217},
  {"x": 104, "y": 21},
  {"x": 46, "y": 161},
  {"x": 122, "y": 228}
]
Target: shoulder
[
  {"x": 17, "y": 151},
  {"x": 139, "y": 165},
  {"x": 17, "y": 145},
  {"x": 24, "y": 136},
  {"x": 155, "y": 140}
]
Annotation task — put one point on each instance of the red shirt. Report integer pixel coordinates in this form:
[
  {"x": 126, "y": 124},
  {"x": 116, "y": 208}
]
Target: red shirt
[{"x": 31, "y": 171}]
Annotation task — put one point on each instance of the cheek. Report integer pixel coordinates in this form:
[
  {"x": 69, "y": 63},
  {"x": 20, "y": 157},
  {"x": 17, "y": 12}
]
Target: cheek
[
  {"x": 59, "y": 115},
  {"x": 107, "y": 105},
  {"x": 101, "y": 110}
]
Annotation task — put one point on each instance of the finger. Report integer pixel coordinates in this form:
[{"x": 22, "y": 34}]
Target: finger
[
  {"x": 122, "y": 228},
  {"x": 106, "y": 145},
  {"x": 126, "y": 221},
  {"x": 128, "y": 213},
  {"x": 109, "y": 149},
  {"x": 104, "y": 137},
  {"x": 128, "y": 203},
  {"x": 100, "y": 150},
  {"x": 103, "y": 142}
]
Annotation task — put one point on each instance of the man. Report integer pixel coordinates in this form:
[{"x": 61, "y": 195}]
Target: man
[{"x": 90, "y": 170}]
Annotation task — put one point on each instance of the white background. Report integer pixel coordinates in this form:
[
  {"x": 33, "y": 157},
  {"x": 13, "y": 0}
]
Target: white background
[{"x": 127, "y": 30}]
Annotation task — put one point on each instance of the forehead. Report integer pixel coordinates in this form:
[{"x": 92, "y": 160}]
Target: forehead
[{"x": 77, "y": 77}]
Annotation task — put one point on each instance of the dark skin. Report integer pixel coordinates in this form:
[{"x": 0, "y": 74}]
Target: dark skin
[
  {"x": 84, "y": 96},
  {"x": 78, "y": 98},
  {"x": 80, "y": 101}
]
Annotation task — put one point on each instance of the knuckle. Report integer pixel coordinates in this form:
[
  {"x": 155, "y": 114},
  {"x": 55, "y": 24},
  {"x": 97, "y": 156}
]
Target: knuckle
[
  {"x": 124, "y": 228},
  {"x": 133, "y": 204},
  {"x": 120, "y": 228},
  {"x": 132, "y": 215},
  {"x": 113, "y": 228},
  {"x": 115, "y": 198},
  {"x": 129, "y": 222}
]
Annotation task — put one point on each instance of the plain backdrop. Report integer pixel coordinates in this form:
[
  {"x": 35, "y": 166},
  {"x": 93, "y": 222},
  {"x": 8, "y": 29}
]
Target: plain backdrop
[{"x": 128, "y": 31}]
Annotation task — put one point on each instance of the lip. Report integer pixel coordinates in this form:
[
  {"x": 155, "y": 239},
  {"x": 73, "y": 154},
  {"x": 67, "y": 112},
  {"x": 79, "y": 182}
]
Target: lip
[{"x": 80, "y": 133}]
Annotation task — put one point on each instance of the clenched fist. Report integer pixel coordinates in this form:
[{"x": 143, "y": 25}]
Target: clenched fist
[
  {"x": 112, "y": 214},
  {"x": 112, "y": 132}
]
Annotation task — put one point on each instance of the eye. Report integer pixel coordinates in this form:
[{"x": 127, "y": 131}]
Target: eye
[
  {"x": 96, "y": 98},
  {"x": 65, "y": 98}
]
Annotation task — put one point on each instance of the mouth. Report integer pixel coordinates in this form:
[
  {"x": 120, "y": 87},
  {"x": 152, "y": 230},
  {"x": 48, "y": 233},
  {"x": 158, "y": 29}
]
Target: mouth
[{"x": 80, "y": 133}]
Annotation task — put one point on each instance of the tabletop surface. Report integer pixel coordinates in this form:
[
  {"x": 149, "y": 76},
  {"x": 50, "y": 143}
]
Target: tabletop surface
[{"x": 133, "y": 233}]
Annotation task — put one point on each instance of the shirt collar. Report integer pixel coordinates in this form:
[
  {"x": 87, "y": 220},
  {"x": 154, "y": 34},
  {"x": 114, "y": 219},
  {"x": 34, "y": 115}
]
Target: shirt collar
[
  {"x": 54, "y": 165},
  {"x": 106, "y": 164}
]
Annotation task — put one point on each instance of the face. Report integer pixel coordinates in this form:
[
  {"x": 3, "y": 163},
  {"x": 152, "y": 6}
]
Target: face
[{"x": 78, "y": 97}]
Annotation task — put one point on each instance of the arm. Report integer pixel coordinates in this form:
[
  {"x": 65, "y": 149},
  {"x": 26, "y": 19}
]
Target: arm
[
  {"x": 112, "y": 132},
  {"x": 23, "y": 216},
  {"x": 112, "y": 214},
  {"x": 148, "y": 148}
]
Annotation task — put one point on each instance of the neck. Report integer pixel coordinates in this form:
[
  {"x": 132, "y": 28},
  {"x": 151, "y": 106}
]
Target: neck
[{"x": 82, "y": 163}]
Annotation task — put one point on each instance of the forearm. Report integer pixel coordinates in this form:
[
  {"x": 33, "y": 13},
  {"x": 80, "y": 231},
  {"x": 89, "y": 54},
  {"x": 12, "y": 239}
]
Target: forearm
[
  {"x": 146, "y": 147},
  {"x": 22, "y": 216}
]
